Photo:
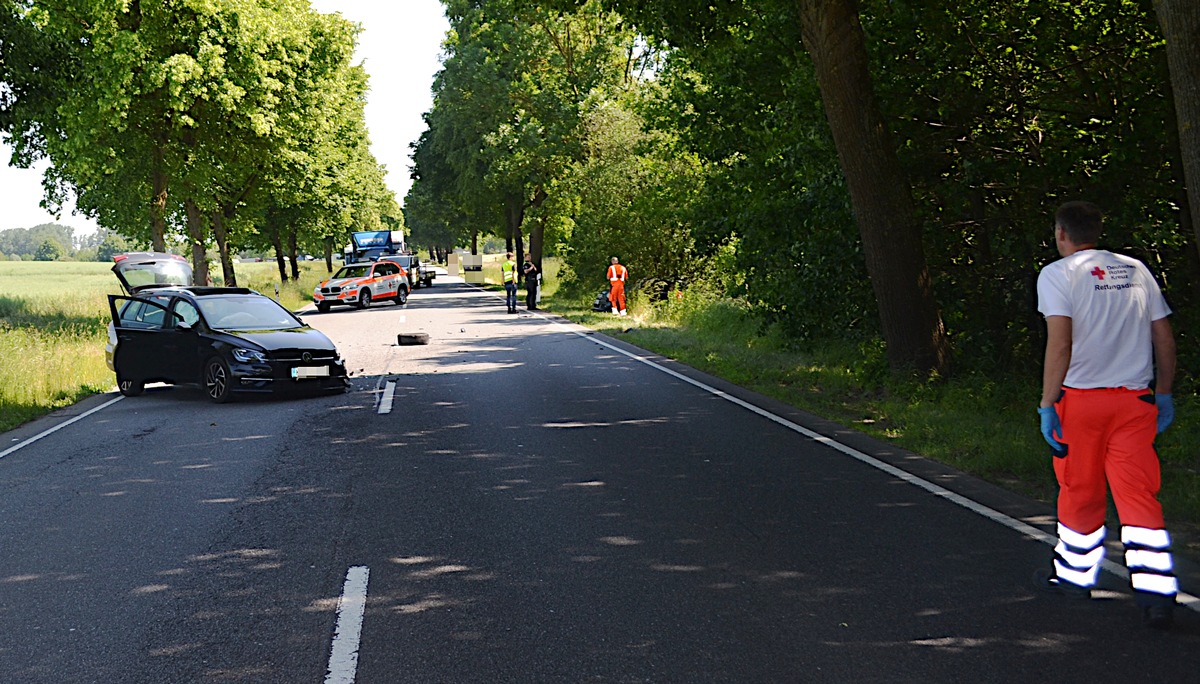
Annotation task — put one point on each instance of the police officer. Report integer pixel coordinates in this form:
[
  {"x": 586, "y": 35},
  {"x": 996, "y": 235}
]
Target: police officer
[{"x": 531, "y": 282}]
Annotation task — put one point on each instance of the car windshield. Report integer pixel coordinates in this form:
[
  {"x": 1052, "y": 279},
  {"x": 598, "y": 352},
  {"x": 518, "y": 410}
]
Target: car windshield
[
  {"x": 355, "y": 271},
  {"x": 252, "y": 312}
]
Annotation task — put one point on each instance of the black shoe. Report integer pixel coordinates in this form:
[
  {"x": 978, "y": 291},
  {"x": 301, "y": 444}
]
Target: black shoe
[
  {"x": 1044, "y": 580},
  {"x": 1159, "y": 617}
]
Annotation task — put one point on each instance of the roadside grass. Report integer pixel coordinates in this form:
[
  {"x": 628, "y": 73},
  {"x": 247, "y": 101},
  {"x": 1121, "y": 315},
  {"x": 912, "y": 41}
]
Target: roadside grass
[
  {"x": 981, "y": 425},
  {"x": 53, "y": 321}
]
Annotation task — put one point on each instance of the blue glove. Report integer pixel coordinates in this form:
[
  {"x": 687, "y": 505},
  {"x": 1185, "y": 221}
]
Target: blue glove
[
  {"x": 1051, "y": 427},
  {"x": 1166, "y": 410}
]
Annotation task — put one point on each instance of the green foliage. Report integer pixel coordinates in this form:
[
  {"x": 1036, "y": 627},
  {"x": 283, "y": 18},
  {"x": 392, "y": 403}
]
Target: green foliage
[
  {"x": 27, "y": 241},
  {"x": 49, "y": 250},
  {"x": 506, "y": 121},
  {"x": 1000, "y": 119},
  {"x": 632, "y": 198},
  {"x": 196, "y": 118}
]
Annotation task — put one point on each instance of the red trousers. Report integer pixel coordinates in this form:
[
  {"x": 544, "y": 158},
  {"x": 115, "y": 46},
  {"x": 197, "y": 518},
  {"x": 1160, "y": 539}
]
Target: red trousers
[
  {"x": 617, "y": 294},
  {"x": 1110, "y": 438}
]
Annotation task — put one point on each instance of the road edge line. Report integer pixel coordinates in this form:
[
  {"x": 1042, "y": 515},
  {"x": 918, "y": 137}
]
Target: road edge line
[
  {"x": 992, "y": 514},
  {"x": 56, "y": 428}
]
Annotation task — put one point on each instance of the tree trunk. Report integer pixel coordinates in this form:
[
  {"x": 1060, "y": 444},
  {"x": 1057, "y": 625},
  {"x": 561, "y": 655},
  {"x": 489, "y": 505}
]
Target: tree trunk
[
  {"x": 292, "y": 254},
  {"x": 195, "y": 226},
  {"x": 514, "y": 216},
  {"x": 277, "y": 243},
  {"x": 1180, "y": 24},
  {"x": 879, "y": 191},
  {"x": 158, "y": 200},
  {"x": 219, "y": 233},
  {"x": 537, "y": 232}
]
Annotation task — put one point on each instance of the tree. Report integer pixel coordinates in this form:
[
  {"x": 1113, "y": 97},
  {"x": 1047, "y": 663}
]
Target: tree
[
  {"x": 508, "y": 106},
  {"x": 49, "y": 250},
  {"x": 1180, "y": 22},
  {"x": 216, "y": 96},
  {"x": 879, "y": 190}
]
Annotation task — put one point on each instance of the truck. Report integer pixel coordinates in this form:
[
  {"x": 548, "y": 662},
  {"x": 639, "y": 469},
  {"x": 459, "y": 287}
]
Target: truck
[{"x": 369, "y": 245}]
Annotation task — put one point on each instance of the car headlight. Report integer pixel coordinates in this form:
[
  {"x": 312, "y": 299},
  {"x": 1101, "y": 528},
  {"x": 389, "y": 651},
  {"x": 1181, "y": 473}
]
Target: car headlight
[{"x": 249, "y": 356}]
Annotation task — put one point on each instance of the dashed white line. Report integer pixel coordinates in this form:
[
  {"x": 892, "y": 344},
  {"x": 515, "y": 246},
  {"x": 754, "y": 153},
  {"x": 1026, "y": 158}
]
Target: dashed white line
[
  {"x": 389, "y": 393},
  {"x": 343, "y": 657}
]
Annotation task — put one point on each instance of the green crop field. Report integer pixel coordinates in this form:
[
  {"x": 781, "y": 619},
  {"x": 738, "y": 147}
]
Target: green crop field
[{"x": 53, "y": 317}]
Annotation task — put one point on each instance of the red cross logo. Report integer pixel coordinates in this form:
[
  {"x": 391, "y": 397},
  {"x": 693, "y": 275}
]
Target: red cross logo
[{"x": 1098, "y": 272}]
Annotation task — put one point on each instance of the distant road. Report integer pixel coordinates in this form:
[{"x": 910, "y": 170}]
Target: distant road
[{"x": 522, "y": 500}]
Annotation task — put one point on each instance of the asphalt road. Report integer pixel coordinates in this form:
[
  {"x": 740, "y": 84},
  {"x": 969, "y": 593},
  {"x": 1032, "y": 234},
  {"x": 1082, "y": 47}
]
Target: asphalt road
[{"x": 523, "y": 501}]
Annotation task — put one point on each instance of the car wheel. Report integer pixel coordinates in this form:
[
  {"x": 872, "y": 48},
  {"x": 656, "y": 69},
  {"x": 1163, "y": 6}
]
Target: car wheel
[
  {"x": 323, "y": 307},
  {"x": 217, "y": 380},
  {"x": 129, "y": 387},
  {"x": 401, "y": 296},
  {"x": 364, "y": 300}
]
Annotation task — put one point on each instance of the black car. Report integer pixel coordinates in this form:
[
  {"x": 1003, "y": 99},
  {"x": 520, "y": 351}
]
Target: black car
[{"x": 226, "y": 339}]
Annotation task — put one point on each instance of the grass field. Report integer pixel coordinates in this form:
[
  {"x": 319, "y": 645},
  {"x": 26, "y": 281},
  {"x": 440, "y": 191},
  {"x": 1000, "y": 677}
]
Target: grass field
[{"x": 53, "y": 317}]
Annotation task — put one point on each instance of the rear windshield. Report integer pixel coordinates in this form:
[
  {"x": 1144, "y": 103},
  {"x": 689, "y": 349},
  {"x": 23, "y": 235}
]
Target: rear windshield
[
  {"x": 165, "y": 272},
  {"x": 246, "y": 313},
  {"x": 357, "y": 271}
]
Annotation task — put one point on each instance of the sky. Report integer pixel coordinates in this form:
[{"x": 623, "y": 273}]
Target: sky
[{"x": 401, "y": 48}]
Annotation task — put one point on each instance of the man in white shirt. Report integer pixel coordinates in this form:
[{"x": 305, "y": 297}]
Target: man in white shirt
[{"x": 1107, "y": 337}]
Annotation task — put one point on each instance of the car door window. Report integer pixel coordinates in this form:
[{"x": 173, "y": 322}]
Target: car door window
[
  {"x": 144, "y": 314},
  {"x": 185, "y": 312}
]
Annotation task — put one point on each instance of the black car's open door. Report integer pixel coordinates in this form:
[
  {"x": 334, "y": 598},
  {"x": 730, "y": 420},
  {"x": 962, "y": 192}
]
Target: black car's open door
[{"x": 139, "y": 325}]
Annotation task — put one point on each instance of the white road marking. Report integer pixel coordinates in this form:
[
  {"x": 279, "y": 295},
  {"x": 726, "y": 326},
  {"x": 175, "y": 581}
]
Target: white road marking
[
  {"x": 1030, "y": 531},
  {"x": 343, "y": 657},
  {"x": 389, "y": 393},
  {"x": 58, "y": 427}
]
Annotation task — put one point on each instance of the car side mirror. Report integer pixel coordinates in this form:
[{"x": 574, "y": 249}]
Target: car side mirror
[{"x": 183, "y": 326}]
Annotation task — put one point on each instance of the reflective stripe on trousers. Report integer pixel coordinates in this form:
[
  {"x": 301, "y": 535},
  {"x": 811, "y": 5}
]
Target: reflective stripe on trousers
[
  {"x": 1077, "y": 559},
  {"x": 1148, "y": 557}
]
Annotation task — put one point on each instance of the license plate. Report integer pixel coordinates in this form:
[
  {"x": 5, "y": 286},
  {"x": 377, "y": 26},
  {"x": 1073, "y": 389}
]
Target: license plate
[{"x": 301, "y": 372}]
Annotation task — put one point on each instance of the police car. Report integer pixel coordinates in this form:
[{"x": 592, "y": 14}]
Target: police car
[{"x": 360, "y": 284}]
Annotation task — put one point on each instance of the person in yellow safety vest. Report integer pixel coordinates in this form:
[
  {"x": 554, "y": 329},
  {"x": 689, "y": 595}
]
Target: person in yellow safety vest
[
  {"x": 509, "y": 269},
  {"x": 617, "y": 275}
]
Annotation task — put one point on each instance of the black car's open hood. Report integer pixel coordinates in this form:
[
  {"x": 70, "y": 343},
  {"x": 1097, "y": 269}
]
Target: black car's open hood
[{"x": 139, "y": 271}]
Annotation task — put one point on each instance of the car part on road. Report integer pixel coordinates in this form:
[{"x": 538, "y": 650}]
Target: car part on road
[{"x": 406, "y": 339}]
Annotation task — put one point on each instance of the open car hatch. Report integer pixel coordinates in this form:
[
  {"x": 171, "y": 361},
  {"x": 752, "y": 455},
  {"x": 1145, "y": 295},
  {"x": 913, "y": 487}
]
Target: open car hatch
[{"x": 139, "y": 271}]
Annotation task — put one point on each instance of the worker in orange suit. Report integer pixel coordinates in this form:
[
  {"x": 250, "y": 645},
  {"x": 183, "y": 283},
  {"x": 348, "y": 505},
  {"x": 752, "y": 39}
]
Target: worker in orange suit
[
  {"x": 617, "y": 275},
  {"x": 1106, "y": 392}
]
